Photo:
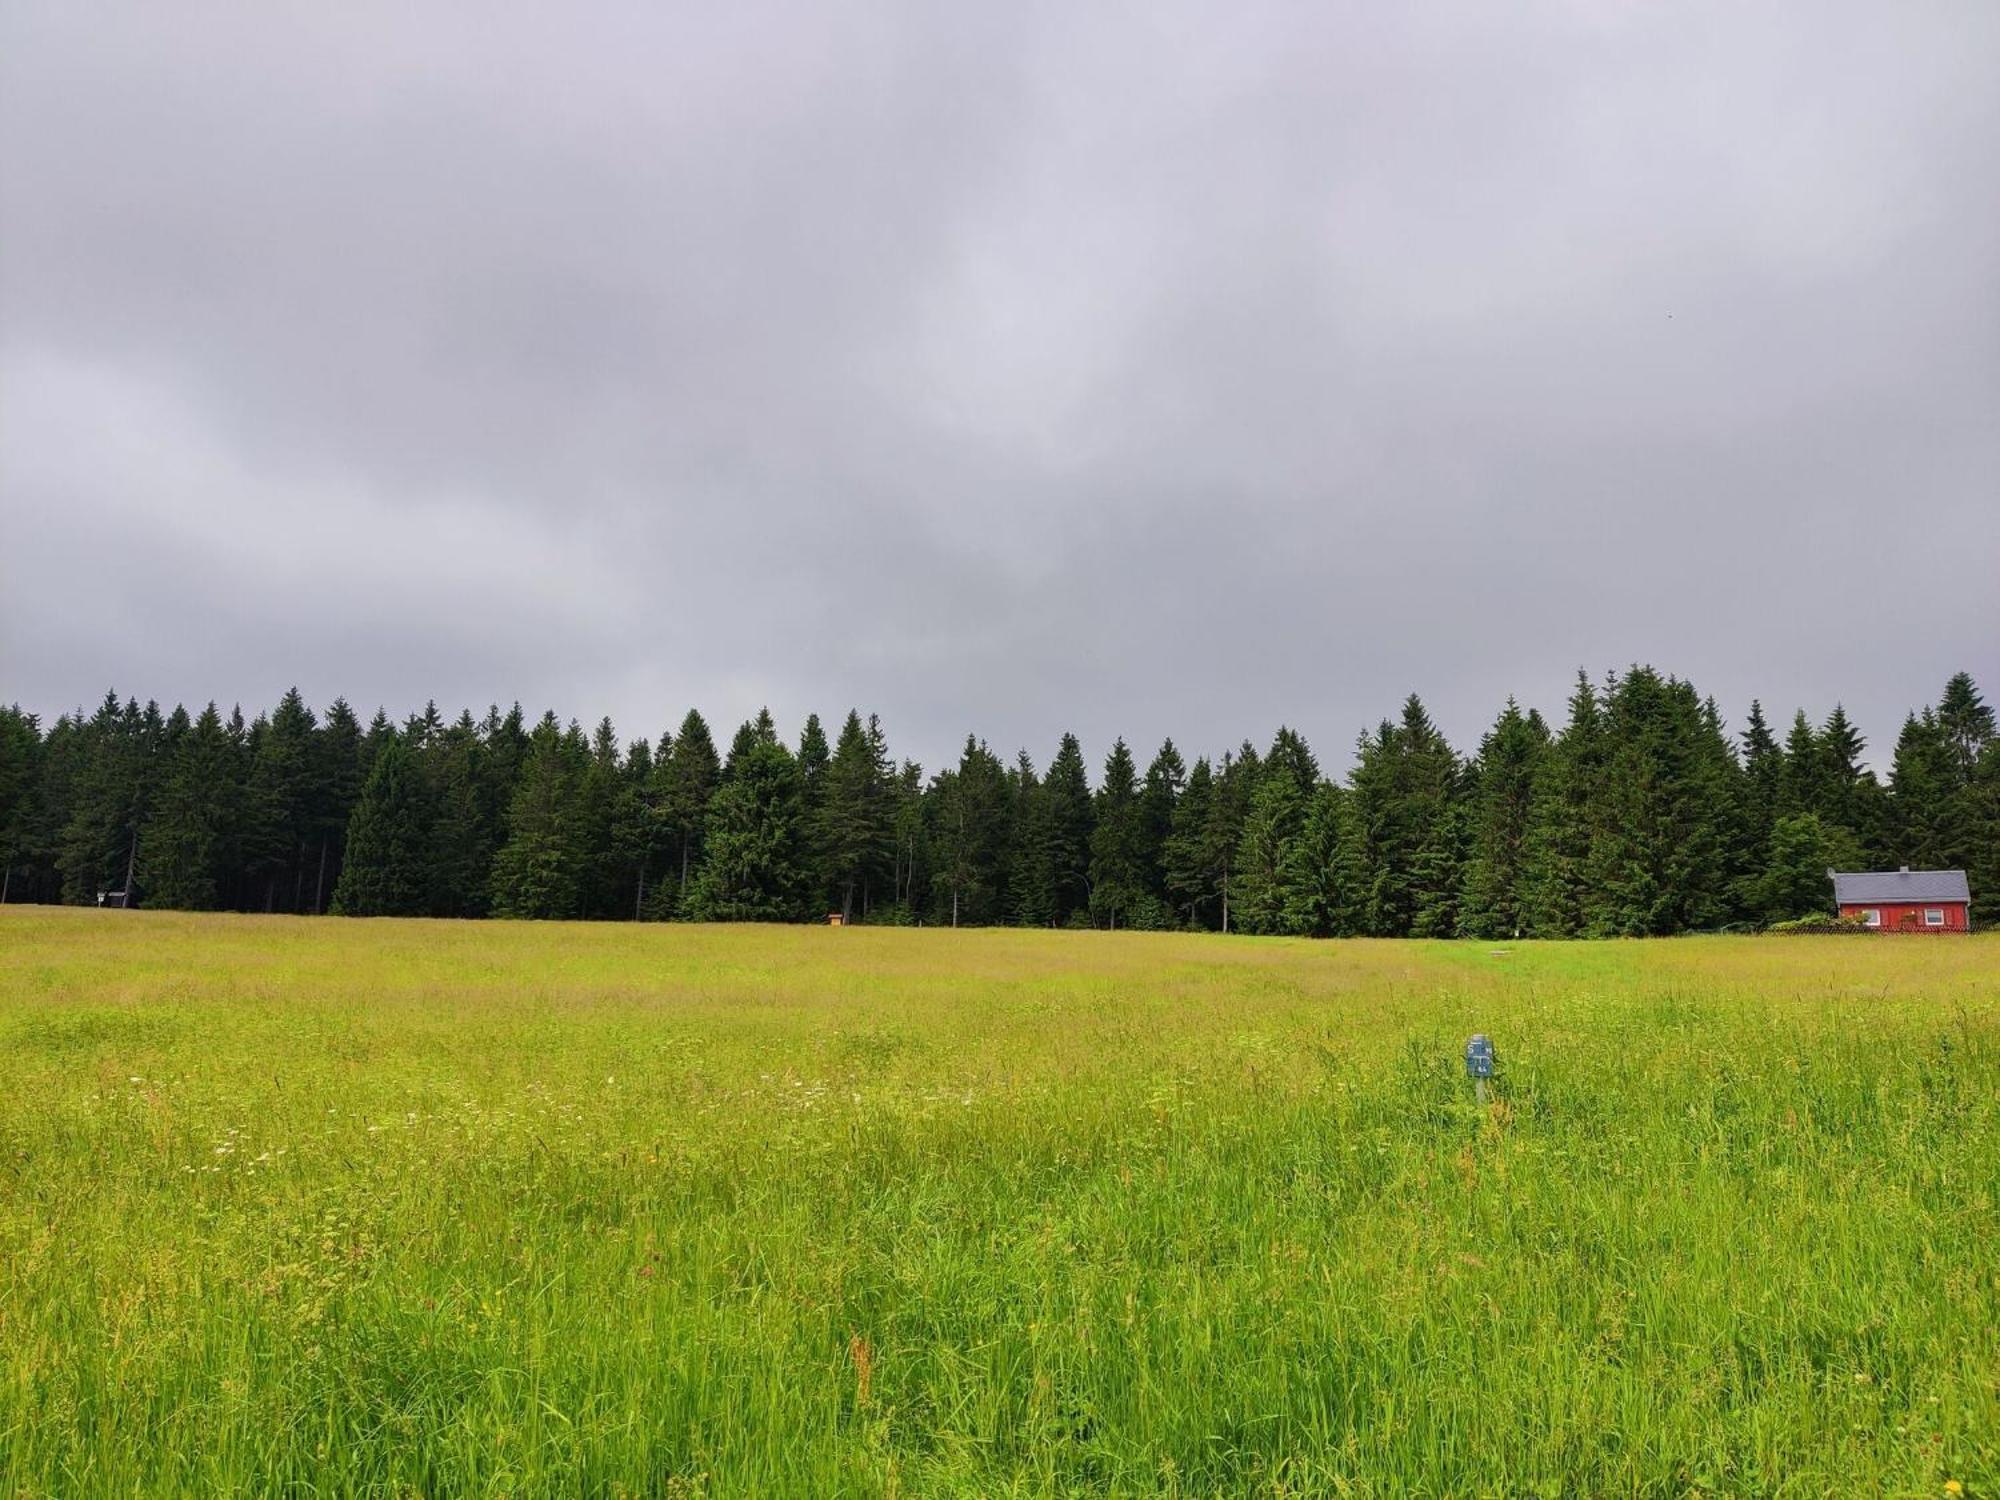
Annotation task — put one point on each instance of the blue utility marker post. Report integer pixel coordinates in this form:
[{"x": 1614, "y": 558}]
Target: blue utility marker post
[{"x": 1479, "y": 1062}]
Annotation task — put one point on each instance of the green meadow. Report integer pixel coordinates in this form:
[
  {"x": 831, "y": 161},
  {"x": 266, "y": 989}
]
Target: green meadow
[{"x": 404, "y": 1208}]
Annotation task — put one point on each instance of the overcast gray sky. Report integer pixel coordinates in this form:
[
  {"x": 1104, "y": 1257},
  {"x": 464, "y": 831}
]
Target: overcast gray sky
[{"x": 1151, "y": 368}]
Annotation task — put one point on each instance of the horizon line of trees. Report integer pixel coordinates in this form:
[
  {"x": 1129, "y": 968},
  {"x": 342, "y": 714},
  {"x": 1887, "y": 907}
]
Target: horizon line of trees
[{"x": 1640, "y": 815}]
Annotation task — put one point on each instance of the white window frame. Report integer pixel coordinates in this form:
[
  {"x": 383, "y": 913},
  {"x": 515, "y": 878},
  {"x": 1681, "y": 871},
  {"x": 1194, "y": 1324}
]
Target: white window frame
[
  {"x": 1871, "y": 916},
  {"x": 1933, "y": 916}
]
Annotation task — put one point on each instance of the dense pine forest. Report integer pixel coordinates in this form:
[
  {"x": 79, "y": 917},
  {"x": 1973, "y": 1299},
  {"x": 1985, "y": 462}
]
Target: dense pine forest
[{"x": 1640, "y": 814}]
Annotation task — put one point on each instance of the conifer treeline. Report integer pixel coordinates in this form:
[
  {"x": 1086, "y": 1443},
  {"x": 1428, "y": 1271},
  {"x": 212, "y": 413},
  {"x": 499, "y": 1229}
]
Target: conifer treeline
[{"x": 1641, "y": 814}]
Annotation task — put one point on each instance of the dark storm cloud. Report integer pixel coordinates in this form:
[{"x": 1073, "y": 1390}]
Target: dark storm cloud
[{"x": 1147, "y": 369}]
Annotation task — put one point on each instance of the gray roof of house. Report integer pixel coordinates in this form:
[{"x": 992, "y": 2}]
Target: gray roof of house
[{"x": 1891, "y": 886}]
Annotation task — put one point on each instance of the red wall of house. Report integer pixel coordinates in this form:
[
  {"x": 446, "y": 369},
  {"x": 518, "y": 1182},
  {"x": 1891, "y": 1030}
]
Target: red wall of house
[{"x": 1897, "y": 917}]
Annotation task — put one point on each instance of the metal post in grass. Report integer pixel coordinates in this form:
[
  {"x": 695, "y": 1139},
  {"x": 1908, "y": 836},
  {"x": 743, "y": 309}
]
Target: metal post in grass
[{"x": 1479, "y": 1062}]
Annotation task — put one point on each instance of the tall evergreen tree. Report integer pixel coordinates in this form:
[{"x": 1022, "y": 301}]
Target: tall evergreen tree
[
  {"x": 1166, "y": 779},
  {"x": 639, "y": 826},
  {"x": 749, "y": 735},
  {"x": 1118, "y": 880},
  {"x": 1658, "y": 861},
  {"x": 1264, "y": 849},
  {"x": 39, "y": 876},
  {"x": 463, "y": 835},
  {"x": 1222, "y": 833},
  {"x": 909, "y": 870},
  {"x": 385, "y": 873},
  {"x": 1319, "y": 877},
  {"x": 187, "y": 837},
  {"x": 813, "y": 758},
  {"x": 1186, "y": 856},
  {"x": 1065, "y": 853},
  {"x": 110, "y": 796},
  {"x": 281, "y": 804},
  {"x": 607, "y": 836},
  {"x": 756, "y": 867},
  {"x": 1510, "y": 767},
  {"x": 1794, "y": 883},
  {"x": 1982, "y": 799},
  {"x": 1555, "y": 883},
  {"x": 1805, "y": 786},
  {"x": 538, "y": 872},
  {"x": 851, "y": 833},
  {"x": 1441, "y": 863},
  {"x": 337, "y": 778},
  {"x": 20, "y": 788},
  {"x": 1966, "y": 722},
  {"x": 1404, "y": 783},
  {"x": 1763, "y": 789},
  {"x": 1923, "y": 795},
  {"x": 1030, "y": 892},
  {"x": 1852, "y": 798},
  {"x": 1290, "y": 753},
  {"x": 968, "y": 837},
  {"x": 688, "y": 780}
]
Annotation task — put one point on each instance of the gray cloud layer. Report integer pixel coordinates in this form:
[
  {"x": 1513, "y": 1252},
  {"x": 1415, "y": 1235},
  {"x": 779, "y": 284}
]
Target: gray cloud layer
[{"x": 1136, "y": 369}]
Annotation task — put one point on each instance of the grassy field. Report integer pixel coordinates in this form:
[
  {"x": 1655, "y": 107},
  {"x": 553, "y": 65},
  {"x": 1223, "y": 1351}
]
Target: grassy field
[{"x": 329, "y": 1207}]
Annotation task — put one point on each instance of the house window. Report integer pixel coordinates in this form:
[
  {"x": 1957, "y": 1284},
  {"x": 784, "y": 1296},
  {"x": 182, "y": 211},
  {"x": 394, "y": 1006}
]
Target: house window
[
  {"x": 1933, "y": 916},
  {"x": 1872, "y": 916}
]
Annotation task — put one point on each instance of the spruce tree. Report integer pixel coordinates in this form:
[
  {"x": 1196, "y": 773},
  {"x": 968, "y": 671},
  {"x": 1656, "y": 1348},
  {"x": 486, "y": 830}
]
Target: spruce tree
[
  {"x": 1658, "y": 861},
  {"x": 1030, "y": 893},
  {"x": 538, "y": 872},
  {"x": 1166, "y": 779},
  {"x": 1762, "y": 787},
  {"x": 337, "y": 778},
  {"x": 909, "y": 859},
  {"x": 967, "y": 836},
  {"x": 1982, "y": 800},
  {"x": 1222, "y": 831},
  {"x": 1404, "y": 783},
  {"x": 1805, "y": 786},
  {"x": 187, "y": 836},
  {"x": 282, "y": 802},
  {"x": 850, "y": 818},
  {"x": 1440, "y": 865},
  {"x": 755, "y": 866},
  {"x": 1065, "y": 854},
  {"x": 108, "y": 797},
  {"x": 1185, "y": 857},
  {"x": 749, "y": 734},
  {"x": 688, "y": 780},
  {"x": 1118, "y": 883},
  {"x": 1555, "y": 878},
  {"x": 813, "y": 757},
  {"x": 885, "y": 794},
  {"x": 1853, "y": 799},
  {"x": 1264, "y": 849},
  {"x": 20, "y": 790},
  {"x": 1923, "y": 794},
  {"x": 1290, "y": 754},
  {"x": 385, "y": 873},
  {"x": 1510, "y": 769},
  {"x": 463, "y": 836},
  {"x": 605, "y": 828},
  {"x": 1794, "y": 883},
  {"x": 1318, "y": 877},
  {"x": 39, "y": 875},
  {"x": 1719, "y": 771},
  {"x": 639, "y": 822},
  {"x": 1966, "y": 722}
]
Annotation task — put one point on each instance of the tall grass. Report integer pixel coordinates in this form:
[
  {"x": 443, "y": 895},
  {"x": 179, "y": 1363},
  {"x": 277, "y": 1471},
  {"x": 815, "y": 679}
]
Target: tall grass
[{"x": 325, "y": 1208}]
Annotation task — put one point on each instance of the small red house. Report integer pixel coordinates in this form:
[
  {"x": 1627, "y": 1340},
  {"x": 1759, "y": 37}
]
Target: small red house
[{"x": 1905, "y": 900}]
